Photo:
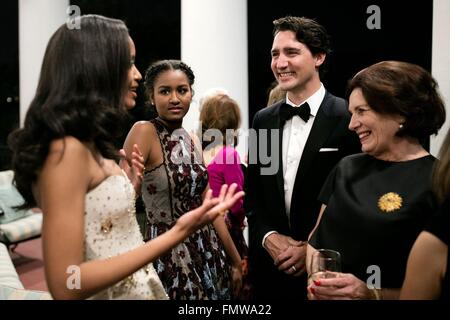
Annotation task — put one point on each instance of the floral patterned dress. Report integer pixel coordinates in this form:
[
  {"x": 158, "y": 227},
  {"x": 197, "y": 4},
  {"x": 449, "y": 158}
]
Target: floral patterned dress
[{"x": 197, "y": 268}]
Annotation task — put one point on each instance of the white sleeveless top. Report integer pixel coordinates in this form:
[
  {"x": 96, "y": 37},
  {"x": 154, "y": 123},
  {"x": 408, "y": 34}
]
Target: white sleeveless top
[{"x": 111, "y": 229}]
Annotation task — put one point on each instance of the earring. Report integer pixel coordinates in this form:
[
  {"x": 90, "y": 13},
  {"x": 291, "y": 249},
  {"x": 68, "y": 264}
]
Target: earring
[{"x": 400, "y": 126}]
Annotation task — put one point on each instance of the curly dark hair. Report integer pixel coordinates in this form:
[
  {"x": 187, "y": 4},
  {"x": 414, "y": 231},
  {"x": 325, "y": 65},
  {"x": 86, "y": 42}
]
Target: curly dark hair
[
  {"x": 158, "y": 67},
  {"x": 80, "y": 93},
  {"x": 405, "y": 89},
  {"x": 310, "y": 33}
]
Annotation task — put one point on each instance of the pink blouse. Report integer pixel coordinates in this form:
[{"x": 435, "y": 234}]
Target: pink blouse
[{"x": 225, "y": 168}]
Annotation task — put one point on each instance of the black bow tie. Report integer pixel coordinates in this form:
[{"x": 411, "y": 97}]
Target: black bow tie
[{"x": 287, "y": 112}]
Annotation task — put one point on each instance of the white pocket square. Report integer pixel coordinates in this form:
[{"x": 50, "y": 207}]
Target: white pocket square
[{"x": 328, "y": 149}]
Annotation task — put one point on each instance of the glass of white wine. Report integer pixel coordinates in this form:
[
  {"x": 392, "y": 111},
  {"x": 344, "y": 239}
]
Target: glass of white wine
[{"x": 324, "y": 260}]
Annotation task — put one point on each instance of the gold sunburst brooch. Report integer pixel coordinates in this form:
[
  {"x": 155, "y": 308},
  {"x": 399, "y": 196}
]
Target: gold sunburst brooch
[{"x": 390, "y": 202}]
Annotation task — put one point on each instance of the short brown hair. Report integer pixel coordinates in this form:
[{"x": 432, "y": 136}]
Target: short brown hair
[
  {"x": 220, "y": 112},
  {"x": 276, "y": 94},
  {"x": 405, "y": 89},
  {"x": 310, "y": 33}
]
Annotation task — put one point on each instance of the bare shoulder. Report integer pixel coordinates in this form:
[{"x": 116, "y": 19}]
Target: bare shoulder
[
  {"x": 143, "y": 133},
  {"x": 68, "y": 160},
  {"x": 67, "y": 147},
  {"x": 143, "y": 128},
  {"x": 68, "y": 155}
]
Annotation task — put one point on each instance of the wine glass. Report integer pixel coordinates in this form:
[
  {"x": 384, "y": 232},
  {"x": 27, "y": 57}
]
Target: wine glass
[{"x": 324, "y": 260}]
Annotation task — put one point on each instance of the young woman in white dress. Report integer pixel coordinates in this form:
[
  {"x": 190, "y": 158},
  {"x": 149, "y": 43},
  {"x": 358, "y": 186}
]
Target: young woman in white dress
[{"x": 65, "y": 163}]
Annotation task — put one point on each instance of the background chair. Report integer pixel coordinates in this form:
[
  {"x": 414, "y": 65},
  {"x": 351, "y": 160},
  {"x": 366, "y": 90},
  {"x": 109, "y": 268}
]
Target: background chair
[
  {"x": 11, "y": 288},
  {"x": 16, "y": 225}
]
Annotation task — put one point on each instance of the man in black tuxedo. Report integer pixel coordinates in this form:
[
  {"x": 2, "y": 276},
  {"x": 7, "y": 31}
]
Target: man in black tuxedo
[{"x": 306, "y": 135}]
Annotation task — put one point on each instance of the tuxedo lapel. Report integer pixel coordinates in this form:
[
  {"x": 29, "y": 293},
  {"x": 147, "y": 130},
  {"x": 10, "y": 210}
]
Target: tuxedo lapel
[
  {"x": 275, "y": 124},
  {"x": 322, "y": 128},
  {"x": 280, "y": 178}
]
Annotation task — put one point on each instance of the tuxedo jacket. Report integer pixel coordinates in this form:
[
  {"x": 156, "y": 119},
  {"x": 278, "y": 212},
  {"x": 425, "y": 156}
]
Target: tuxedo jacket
[{"x": 329, "y": 141}]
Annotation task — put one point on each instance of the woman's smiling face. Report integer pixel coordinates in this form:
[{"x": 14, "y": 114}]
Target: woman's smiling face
[{"x": 376, "y": 131}]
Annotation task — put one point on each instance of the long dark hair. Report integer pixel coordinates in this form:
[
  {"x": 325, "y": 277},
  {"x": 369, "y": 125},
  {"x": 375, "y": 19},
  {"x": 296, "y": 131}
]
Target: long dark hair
[{"x": 80, "y": 93}]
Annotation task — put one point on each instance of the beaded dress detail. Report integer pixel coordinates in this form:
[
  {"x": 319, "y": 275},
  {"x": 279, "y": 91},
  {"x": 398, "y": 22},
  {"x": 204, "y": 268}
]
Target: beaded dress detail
[
  {"x": 111, "y": 229},
  {"x": 196, "y": 268}
]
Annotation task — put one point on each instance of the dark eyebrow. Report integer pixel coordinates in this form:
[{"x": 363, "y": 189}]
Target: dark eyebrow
[
  {"x": 360, "y": 106},
  {"x": 292, "y": 49},
  {"x": 287, "y": 49}
]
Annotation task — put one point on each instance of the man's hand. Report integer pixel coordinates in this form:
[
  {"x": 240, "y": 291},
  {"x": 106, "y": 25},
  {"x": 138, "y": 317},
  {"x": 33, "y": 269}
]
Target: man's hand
[
  {"x": 287, "y": 253},
  {"x": 293, "y": 260}
]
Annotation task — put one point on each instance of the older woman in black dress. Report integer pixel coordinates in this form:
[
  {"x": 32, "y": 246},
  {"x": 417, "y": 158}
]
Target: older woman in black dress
[{"x": 376, "y": 203}]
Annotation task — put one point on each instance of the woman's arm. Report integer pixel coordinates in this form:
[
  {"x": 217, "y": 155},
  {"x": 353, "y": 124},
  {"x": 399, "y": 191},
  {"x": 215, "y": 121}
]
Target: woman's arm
[
  {"x": 230, "y": 249},
  {"x": 319, "y": 218},
  {"x": 143, "y": 134},
  {"x": 425, "y": 270},
  {"x": 137, "y": 152},
  {"x": 232, "y": 173},
  {"x": 69, "y": 172},
  {"x": 310, "y": 249},
  {"x": 63, "y": 205}
]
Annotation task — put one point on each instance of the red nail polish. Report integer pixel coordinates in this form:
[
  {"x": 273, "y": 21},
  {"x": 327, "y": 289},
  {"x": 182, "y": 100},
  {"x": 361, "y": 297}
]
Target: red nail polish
[
  {"x": 313, "y": 291},
  {"x": 317, "y": 282}
]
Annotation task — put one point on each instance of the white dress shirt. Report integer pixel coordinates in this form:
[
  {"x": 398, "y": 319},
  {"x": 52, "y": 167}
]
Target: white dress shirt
[{"x": 295, "y": 134}]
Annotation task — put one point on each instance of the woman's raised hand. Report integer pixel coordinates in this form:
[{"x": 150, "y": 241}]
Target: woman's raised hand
[
  {"x": 134, "y": 168},
  {"x": 211, "y": 208}
]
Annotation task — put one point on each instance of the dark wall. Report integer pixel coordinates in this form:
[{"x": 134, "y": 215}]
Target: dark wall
[
  {"x": 155, "y": 27},
  {"x": 405, "y": 34},
  {"x": 9, "y": 76}
]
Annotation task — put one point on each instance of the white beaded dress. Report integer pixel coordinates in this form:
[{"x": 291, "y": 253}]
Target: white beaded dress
[{"x": 111, "y": 228}]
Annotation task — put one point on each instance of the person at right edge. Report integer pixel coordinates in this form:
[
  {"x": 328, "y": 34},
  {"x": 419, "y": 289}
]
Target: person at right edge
[
  {"x": 308, "y": 134},
  {"x": 427, "y": 271}
]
